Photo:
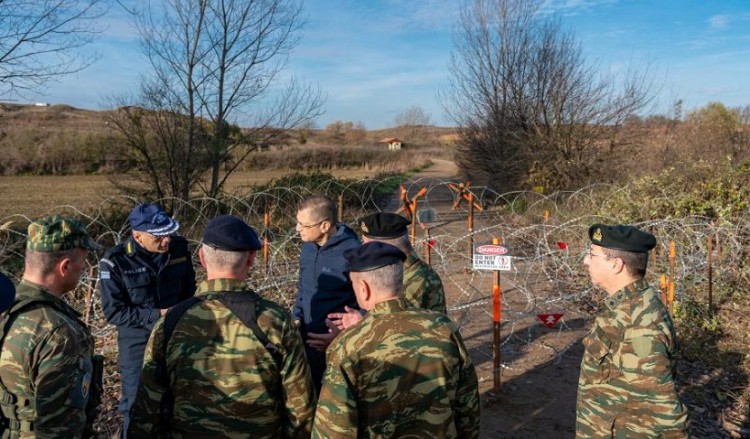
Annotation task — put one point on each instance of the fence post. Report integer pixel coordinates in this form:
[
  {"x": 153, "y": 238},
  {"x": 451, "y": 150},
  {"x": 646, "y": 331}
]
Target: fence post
[
  {"x": 266, "y": 224},
  {"x": 341, "y": 208},
  {"x": 89, "y": 295},
  {"x": 496, "y": 318},
  {"x": 427, "y": 249},
  {"x": 672, "y": 255},
  {"x": 718, "y": 251},
  {"x": 470, "y": 225},
  {"x": 710, "y": 276}
]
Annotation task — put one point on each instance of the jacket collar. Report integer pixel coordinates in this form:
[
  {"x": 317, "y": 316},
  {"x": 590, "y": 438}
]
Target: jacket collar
[
  {"x": 36, "y": 291},
  {"x": 389, "y": 307},
  {"x": 214, "y": 285},
  {"x": 628, "y": 291}
]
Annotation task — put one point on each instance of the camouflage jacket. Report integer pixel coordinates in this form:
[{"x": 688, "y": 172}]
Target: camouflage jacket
[
  {"x": 422, "y": 286},
  {"x": 400, "y": 372},
  {"x": 224, "y": 382},
  {"x": 626, "y": 387},
  {"x": 45, "y": 362}
]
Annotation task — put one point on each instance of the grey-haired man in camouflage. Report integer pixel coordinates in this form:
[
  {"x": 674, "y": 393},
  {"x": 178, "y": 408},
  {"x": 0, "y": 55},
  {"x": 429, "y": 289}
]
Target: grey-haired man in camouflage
[
  {"x": 400, "y": 372},
  {"x": 234, "y": 363},
  {"x": 422, "y": 286},
  {"x": 626, "y": 388},
  {"x": 50, "y": 377}
]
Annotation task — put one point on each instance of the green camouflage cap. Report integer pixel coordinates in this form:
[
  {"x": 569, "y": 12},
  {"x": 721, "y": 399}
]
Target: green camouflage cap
[{"x": 56, "y": 233}]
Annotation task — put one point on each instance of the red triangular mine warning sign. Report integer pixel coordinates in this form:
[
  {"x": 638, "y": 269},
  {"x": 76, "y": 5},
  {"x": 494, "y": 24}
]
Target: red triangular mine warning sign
[{"x": 550, "y": 320}]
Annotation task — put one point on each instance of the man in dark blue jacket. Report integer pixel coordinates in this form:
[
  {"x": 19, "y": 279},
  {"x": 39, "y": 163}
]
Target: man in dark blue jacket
[
  {"x": 140, "y": 279},
  {"x": 324, "y": 286}
]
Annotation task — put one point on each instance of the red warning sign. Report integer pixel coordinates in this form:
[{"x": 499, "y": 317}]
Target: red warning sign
[{"x": 550, "y": 320}]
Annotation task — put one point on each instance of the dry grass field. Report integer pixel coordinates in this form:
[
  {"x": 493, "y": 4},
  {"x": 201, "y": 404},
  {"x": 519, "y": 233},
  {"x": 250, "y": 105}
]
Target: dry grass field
[{"x": 35, "y": 196}]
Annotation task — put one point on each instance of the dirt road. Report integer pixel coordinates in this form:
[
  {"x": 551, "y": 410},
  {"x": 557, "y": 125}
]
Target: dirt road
[{"x": 540, "y": 366}]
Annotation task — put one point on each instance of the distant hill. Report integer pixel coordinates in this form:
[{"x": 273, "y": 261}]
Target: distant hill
[{"x": 61, "y": 139}]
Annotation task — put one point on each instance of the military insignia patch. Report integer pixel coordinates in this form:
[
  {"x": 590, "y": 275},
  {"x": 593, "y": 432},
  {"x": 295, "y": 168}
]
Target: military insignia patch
[
  {"x": 178, "y": 260},
  {"x": 85, "y": 385},
  {"x": 597, "y": 236}
]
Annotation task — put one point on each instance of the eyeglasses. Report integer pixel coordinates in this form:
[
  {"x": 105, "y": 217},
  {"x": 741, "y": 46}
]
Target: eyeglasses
[
  {"x": 591, "y": 255},
  {"x": 302, "y": 226},
  {"x": 155, "y": 238}
]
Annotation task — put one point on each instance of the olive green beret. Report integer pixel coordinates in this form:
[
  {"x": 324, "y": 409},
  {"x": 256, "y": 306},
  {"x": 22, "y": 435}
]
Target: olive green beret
[{"x": 622, "y": 237}]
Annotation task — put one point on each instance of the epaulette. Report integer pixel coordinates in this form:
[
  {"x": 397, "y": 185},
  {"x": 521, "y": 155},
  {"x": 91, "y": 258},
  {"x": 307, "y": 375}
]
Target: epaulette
[{"x": 130, "y": 248}]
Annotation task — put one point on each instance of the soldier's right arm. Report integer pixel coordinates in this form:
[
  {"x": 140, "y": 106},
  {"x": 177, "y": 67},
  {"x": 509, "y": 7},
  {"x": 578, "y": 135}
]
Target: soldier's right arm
[
  {"x": 61, "y": 383},
  {"x": 118, "y": 308},
  {"x": 297, "y": 384},
  {"x": 145, "y": 416}
]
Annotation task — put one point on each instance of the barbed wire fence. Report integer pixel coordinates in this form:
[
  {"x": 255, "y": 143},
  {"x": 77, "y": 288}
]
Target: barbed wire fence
[{"x": 547, "y": 235}]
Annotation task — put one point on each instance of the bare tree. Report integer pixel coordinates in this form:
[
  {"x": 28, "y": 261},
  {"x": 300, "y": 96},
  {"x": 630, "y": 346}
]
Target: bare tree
[
  {"x": 216, "y": 63},
  {"x": 412, "y": 117},
  {"x": 39, "y": 40},
  {"x": 411, "y": 122},
  {"x": 531, "y": 109}
]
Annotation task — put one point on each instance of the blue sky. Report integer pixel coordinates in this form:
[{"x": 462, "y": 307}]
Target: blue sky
[{"x": 373, "y": 59}]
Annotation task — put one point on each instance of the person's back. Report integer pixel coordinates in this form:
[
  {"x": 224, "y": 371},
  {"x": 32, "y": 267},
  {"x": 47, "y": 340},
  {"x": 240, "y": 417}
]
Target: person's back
[
  {"x": 393, "y": 349},
  {"x": 220, "y": 378},
  {"x": 45, "y": 329},
  {"x": 422, "y": 285},
  {"x": 50, "y": 381}
]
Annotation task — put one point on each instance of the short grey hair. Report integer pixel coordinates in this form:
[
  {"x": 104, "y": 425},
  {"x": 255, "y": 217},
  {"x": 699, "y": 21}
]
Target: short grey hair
[
  {"x": 223, "y": 259},
  {"x": 402, "y": 242},
  {"x": 389, "y": 278}
]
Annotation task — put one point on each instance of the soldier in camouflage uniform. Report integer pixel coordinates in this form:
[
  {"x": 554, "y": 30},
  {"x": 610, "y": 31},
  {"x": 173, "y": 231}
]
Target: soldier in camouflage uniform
[
  {"x": 47, "y": 367},
  {"x": 422, "y": 285},
  {"x": 400, "y": 372},
  {"x": 220, "y": 379},
  {"x": 626, "y": 387}
]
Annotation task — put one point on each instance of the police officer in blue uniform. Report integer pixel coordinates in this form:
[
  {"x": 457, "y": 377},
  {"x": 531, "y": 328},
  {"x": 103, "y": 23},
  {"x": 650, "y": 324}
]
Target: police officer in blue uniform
[{"x": 140, "y": 279}]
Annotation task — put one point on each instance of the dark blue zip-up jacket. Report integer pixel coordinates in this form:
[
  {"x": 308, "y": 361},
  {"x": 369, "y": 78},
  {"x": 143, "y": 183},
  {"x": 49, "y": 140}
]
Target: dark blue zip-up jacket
[
  {"x": 324, "y": 286},
  {"x": 136, "y": 284}
]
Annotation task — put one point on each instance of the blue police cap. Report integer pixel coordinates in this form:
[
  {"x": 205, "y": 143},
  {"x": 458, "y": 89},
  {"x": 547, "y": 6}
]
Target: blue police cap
[
  {"x": 150, "y": 218},
  {"x": 227, "y": 232},
  {"x": 7, "y": 292},
  {"x": 384, "y": 225},
  {"x": 622, "y": 237},
  {"x": 373, "y": 255}
]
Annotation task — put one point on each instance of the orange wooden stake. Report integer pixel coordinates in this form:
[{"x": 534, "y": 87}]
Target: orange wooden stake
[{"x": 266, "y": 223}]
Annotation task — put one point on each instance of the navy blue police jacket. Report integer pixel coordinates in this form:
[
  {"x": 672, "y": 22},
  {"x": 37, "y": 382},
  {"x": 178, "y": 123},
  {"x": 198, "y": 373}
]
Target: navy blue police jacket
[
  {"x": 324, "y": 286},
  {"x": 135, "y": 284}
]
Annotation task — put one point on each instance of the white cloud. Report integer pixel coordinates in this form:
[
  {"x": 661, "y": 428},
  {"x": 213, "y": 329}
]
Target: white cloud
[{"x": 718, "y": 21}]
